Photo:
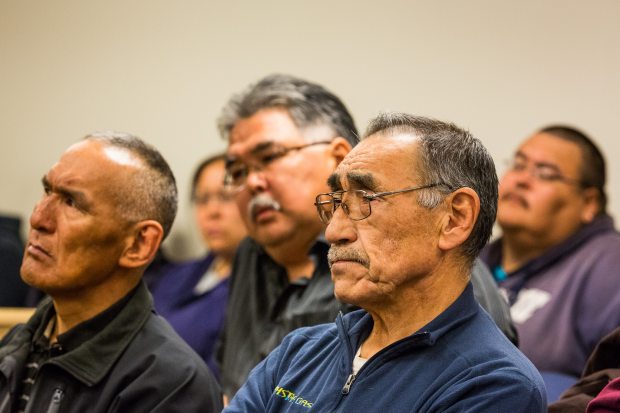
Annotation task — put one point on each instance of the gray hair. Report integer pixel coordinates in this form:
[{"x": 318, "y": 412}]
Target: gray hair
[
  {"x": 309, "y": 105},
  {"x": 150, "y": 193},
  {"x": 453, "y": 157}
]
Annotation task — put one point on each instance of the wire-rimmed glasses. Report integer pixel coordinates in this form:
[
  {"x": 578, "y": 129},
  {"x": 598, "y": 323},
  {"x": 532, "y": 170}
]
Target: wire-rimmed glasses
[
  {"x": 237, "y": 172},
  {"x": 541, "y": 171},
  {"x": 355, "y": 202}
]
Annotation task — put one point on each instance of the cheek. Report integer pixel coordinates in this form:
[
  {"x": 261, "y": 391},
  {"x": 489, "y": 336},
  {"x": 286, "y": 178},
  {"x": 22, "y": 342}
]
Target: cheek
[
  {"x": 382, "y": 247},
  {"x": 230, "y": 220},
  {"x": 299, "y": 186},
  {"x": 201, "y": 217},
  {"x": 242, "y": 200},
  {"x": 507, "y": 183},
  {"x": 545, "y": 202}
]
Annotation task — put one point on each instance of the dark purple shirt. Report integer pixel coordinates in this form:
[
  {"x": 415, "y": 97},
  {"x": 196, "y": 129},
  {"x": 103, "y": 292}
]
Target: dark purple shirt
[
  {"x": 197, "y": 318},
  {"x": 565, "y": 301}
]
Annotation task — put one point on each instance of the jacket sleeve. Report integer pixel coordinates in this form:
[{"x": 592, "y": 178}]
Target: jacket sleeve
[
  {"x": 255, "y": 394},
  {"x": 170, "y": 390},
  {"x": 504, "y": 390}
]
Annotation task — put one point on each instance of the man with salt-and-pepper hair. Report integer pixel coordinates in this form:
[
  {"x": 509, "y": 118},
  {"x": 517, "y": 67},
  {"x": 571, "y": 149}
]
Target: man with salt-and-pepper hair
[
  {"x": 409, "y": 210},
  {"x": 96, "y": 344},
  {"x": 285, "y": 137}
]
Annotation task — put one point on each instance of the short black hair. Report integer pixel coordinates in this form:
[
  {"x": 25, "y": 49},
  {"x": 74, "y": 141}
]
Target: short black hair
[{"x": 593, "y": 169}]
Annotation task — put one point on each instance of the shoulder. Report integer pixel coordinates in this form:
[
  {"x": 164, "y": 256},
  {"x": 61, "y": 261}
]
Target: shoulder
[
  {"x": 309, "y": 336},
  {"x": 248, "y": 246},
  {"x": 159, "y": 372},
  {"x": 164, "y": 349},
  {"x": 484, "y": 363}
]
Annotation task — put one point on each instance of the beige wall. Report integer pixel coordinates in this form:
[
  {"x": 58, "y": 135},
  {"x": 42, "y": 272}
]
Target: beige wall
[{"x": 163, "y": 69}]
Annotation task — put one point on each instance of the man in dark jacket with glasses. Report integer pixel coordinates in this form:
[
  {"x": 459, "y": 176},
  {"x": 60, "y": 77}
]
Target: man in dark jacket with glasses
[{"x": 406, "y": 218}]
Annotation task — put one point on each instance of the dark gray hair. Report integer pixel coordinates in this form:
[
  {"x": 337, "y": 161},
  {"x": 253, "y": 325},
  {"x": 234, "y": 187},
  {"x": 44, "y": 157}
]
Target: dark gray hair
[
  {"x": 308, "y": 104},
  {"x": 592, "y": 161},
  {"x": 452, "y": 156},
  {"x": 150, "y": 193}
]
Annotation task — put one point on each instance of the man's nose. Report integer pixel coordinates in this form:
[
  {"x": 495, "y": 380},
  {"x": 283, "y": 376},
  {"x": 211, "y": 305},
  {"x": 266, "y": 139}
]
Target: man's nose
[
  {"x": 340, "y": 230},
  {"x": 256, "y": 180},
  {"x": 43, "y": 215},
  {"x": 521, "y": 177}
]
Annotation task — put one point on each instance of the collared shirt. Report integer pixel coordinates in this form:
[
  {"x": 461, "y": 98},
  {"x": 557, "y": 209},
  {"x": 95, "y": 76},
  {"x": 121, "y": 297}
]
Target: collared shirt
[
  {"x": 115, "y": 370},
  {"x": 43, "y": 350}
]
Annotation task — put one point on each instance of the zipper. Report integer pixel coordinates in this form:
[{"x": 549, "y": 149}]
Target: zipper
[
  {"x": 347, "y": 386},
  {"x": 54, "y": 406},
  {"x": 351, "y": 378}
]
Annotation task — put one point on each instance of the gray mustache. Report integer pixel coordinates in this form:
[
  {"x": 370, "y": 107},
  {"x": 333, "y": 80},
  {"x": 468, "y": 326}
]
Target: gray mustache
[
  {"x": 338, "y": 254},
  {"x": 262, "y": 201}
]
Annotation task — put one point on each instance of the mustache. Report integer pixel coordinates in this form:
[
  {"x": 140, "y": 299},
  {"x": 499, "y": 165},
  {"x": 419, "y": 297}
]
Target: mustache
[
  {"x": 346, "y": 254},
  {"x": 261, "y": 202},
  {"x": 515, "y": 196}
]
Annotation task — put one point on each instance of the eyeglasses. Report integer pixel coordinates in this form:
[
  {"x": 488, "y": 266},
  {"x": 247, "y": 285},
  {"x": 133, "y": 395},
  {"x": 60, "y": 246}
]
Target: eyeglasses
[
  {"x": 237, "y": 172},
  {"x": 541, "y": 171},
  {"x": 355, "y": 203},
  {"x": 221, "y": 196}
]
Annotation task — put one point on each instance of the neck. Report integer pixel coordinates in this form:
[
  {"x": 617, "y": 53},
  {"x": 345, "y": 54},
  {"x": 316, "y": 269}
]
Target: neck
[
  {"x": 408, "y": 312},
  {"x": 75, "y": 307},
  {"x": 294, "y": 258},
  {"x": 221, "y": 265},
  {"x": 519, "y": 248}
]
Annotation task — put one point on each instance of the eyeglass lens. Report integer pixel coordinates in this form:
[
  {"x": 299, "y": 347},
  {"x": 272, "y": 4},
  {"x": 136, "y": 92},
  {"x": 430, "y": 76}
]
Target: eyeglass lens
[{"x": 354, "y": 203}]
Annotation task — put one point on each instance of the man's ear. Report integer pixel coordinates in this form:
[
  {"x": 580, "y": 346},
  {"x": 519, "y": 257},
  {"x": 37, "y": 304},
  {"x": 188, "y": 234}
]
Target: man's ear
[
  {"x": 339, "y": 148},
  {"x": 142, "y": 244},
  {"x": 591, "y": 205},
  {"x": 461, "y": 212}
]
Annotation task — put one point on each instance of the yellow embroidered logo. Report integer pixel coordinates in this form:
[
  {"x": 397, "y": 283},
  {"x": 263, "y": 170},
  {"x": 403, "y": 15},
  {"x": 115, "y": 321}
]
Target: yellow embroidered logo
[{"x": 291, "y": 397}]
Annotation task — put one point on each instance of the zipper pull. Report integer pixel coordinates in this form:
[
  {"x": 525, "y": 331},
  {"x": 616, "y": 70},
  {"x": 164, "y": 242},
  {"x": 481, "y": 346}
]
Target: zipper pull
[
  {"x": 347, "y": 385},
  {"x": 54, "y": 406},
  {"x": 58, "y": 396}
]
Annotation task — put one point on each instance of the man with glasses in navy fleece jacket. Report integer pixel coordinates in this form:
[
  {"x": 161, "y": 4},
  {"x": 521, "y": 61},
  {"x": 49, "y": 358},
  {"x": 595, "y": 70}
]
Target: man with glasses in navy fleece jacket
[{"x": 410, "y": 208}]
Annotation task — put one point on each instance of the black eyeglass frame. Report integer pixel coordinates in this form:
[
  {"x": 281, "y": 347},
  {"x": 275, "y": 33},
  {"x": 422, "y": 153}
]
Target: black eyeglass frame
[
  {"x": 536, "y": 171},
  {"x": 336, "y": 202},
  {"x": 280, "y": 153}
]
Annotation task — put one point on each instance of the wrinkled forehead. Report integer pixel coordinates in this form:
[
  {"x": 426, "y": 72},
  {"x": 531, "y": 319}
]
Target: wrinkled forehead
[{"x": 378, "y": 161}]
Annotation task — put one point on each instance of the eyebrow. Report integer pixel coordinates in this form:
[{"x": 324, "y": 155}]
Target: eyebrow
[
  {"x": 550, "y": 165},
  {"x": 358, "y": 180},
  {"x": 362, "y": 180},
  {"x": 261, "y": 147},
  {"x": 334, "y": 182},
  {"x": 78, "y": 196}
]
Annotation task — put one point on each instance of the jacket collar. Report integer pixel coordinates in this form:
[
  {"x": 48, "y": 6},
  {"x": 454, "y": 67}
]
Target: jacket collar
[
  {"x": 92, "y": 360},
  {"x": 354, "y": 327},
  {"x": 492, "y": 255}
]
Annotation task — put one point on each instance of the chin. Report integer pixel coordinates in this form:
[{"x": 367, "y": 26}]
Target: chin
[
  {"x": 346, "y": 293},
  {"x": 271, "y": 235}
]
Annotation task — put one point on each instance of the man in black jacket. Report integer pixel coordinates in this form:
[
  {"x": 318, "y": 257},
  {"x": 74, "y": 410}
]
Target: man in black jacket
[{"x": 96, "y": 344}]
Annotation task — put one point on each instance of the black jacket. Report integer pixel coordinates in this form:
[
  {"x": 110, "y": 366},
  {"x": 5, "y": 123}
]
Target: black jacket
[
  {"x": 263, "y": 307},
  {"x": 136, "y": 363}
]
